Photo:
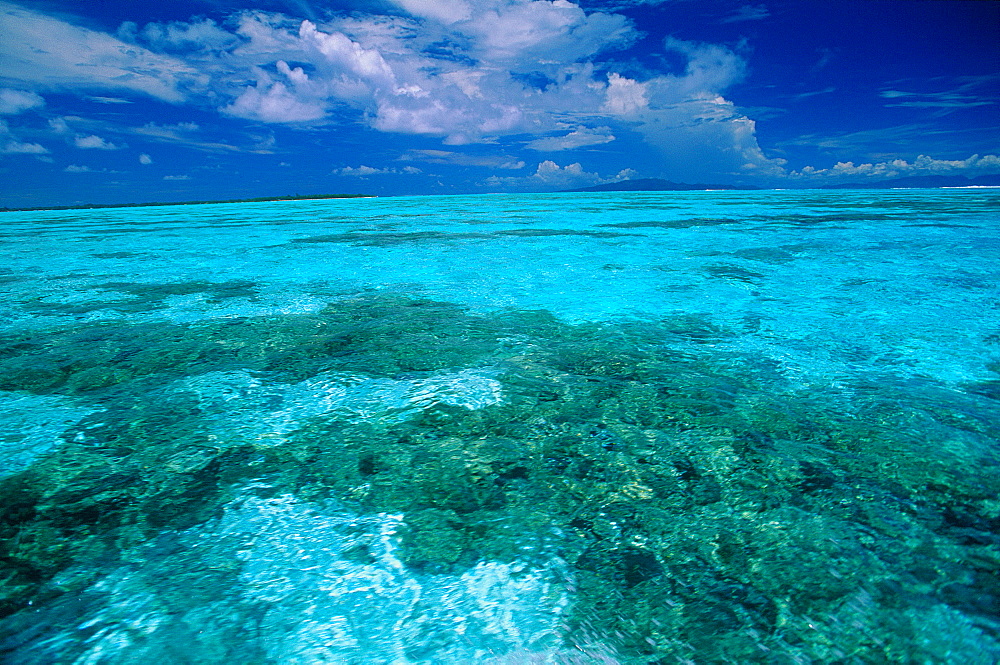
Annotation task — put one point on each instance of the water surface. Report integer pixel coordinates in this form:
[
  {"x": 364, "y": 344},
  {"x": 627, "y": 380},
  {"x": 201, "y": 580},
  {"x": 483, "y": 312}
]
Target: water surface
[{"x": 569, "y": 428}]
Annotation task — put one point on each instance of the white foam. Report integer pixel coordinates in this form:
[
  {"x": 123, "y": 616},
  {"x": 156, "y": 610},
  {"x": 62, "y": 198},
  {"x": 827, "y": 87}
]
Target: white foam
[
  {"x": 245, "y": 405},
  {"x": 309, "y": 585},
  {"x": 323, "y": 605}
]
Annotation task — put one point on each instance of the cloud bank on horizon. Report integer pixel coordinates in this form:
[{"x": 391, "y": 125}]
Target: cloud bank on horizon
[{"x": 424, "y": 96}]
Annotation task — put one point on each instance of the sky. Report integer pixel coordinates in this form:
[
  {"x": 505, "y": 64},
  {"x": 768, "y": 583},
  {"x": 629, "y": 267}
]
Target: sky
[{"x": 125, "y": 101}]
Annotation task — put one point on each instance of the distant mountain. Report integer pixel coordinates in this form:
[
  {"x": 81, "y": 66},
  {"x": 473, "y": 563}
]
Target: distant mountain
[
  {"x": 912, "y": 182},
  {"x": 652, "y": 185},
  {"x": 923, "y": 181}
]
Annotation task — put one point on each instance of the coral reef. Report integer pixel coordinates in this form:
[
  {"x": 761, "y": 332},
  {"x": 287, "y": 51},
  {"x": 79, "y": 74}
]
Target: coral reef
[{"x": 699, "y": 503}]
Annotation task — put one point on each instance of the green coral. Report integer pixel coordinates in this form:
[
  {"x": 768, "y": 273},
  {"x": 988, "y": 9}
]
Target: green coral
[{"x": 708, "y": 509}]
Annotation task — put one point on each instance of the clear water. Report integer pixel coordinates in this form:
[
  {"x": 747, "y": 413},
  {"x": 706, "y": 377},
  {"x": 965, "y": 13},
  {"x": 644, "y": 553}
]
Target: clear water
[{"x": 569, "y": 428}]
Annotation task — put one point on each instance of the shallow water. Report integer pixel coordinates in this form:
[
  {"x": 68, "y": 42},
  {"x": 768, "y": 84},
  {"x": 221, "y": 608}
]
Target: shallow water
[{"x": 566, "y": 428}]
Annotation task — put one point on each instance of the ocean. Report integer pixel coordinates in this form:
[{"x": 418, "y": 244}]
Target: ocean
[{"x": 642, "y": 427}]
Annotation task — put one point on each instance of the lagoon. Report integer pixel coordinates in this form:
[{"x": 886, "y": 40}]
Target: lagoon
[{"x": 623, "y": 427}]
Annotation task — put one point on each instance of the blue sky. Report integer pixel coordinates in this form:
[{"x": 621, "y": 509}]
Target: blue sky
[{"x": 129, "y": 100}]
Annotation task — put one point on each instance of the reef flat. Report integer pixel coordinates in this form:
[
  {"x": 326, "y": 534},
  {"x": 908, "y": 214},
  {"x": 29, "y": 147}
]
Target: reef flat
[{"x": 199, "y": 467}]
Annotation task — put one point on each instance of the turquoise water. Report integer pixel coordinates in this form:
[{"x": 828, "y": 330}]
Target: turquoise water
[{"x": 550, "y": 428}]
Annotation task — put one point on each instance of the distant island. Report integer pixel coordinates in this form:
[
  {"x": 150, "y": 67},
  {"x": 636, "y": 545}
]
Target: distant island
[
  {"x": 923, "y": 181},
  {"x": 261, "y": 199},
  {"x": 637, "y": 185},
  {"x": 912, "y": 182},
  {"x": 654, "y": 185}
]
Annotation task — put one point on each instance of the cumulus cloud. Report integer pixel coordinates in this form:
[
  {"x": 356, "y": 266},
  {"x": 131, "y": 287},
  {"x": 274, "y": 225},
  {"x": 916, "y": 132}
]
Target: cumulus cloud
[
  {"x": 14, "y": 147},
  {"x": 363, "y": 170},
  {"x": 464, "y": 71},
  {"x": 42, "y": 51},
  {"x": 176, "y": 177},
  {"x": 59, "y": 125},
  {"x": 76, "y": 168},
  {"x": 578, "y": 138},
  {"x": 624, "y": 96},
  {"x": 460, "y": 70},
  {"x": 18, "y": 101},
  {"x": 550, "y": 176},
  {"x": 702, "y": 137},
  {"x": 10, "y": 145},
  {"x": 710, "y": 68},
  {"x": 360, "y": 170},
  {"x": 94, "y": 142},
  {"x": 517, "y": 32},
  {"x": 698, "y": 131},
  {"x": 898, "y": 168},
  {"x": 272, "y": 101}
]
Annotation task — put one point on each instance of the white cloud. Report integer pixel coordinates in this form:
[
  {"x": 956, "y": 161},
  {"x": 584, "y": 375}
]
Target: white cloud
[
  {"x": 107, "y": 100},
  {"x": 466, "y": 71},
  {"x": 180, "y": 37},
  {"x": 551, "y": 173},
  {"x": 444, "y": 11},
  {"x": 362, "y": 171},
  {"x": 18, "y": 101},
  {"x": 59, "y": 125},
  {"x": 392, "y": 72},
  {"x": 940, "y": 102},
  {"x": 14, "y": 147},
  {"x": 76, "y": 168},
  {"x": 960, "y": 93},
  {"x": 345, "y": 55},
  {"x": 11, "y": 145},
  {"x": 550, "y": 176},
  {"x": 272, "y": 101},
  {"x": 462, "y": 159},
  {"x": 699, "y": 132},
  {"x": 578, "y": 138},
  {"x": 624, "y": 96},
  {"x": 145, "y": 159},
  {"x": 899, "y": 168},
  {"x": 176, "y": 177},
  {"x": 166, "y": 131},
  {"x": 181, "y": 134},
  {"x": 45, "y": 52},
  {"x": 94, "y": 142},
  {"x": 702, "y": 137},
  {"x": 748, "y": 13},
  {"x": 813, "y": 93},
  {"x": 518, "y": 32},
  {"x": 710, "y": 68}
]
